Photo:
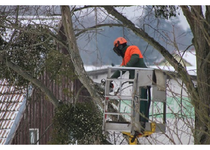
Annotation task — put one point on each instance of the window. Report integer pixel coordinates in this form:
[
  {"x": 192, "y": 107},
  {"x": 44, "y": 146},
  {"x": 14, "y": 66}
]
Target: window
[
  {"x": 95, "y": 77},
  {"x": 34, "y": 135}
]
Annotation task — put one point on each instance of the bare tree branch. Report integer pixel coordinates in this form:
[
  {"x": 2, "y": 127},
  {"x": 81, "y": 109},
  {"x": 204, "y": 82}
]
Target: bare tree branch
[
  {"x": 36, "y": 82},
  {"x": 98, "y": 26}
]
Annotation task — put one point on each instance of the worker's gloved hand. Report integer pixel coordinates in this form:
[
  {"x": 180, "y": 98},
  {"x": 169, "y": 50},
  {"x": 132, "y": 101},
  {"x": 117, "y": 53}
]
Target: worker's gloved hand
[
  {"x": 111, "y": 86},
  {"x": 103, "y": 81}
]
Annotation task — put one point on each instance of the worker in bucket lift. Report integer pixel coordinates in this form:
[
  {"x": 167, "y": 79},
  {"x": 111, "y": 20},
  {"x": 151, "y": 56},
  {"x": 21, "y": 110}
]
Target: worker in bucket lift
[{"x": 131, "y": 57}]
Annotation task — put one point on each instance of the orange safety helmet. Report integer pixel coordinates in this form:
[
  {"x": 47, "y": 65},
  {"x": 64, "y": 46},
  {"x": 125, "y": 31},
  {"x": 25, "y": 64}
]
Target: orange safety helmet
[
  {"x": 119, "y": 40},
  {"x": 118, "y": 46}
]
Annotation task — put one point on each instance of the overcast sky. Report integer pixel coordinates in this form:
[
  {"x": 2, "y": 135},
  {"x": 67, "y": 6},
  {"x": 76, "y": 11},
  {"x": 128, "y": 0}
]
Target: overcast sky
[{"x": 183, "y": 22}]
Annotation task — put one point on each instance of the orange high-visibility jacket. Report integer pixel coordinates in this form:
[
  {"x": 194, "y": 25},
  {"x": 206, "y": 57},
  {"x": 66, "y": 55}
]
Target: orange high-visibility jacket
[
  {"x": 129, "y": 52},
  {"x": 129, "y": 61}
]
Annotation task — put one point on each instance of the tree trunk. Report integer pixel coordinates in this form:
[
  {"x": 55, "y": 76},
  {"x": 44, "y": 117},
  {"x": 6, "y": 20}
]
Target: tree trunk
[
  {"x": 75, "y": 56},
  {"x": 201, "y": 30}
]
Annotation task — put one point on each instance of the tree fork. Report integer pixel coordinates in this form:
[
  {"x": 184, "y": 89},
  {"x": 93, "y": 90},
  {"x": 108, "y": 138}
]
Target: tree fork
[{"x": 75, "y": 56}]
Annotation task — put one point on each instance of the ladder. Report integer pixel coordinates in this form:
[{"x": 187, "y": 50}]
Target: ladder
[{"x": 127, "y": 117}]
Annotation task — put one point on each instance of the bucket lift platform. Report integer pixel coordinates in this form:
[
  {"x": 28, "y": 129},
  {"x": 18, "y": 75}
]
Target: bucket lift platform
[{"x": 127, "y": 116}]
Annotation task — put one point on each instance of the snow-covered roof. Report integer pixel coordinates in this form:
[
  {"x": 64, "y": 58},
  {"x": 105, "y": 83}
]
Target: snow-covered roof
[
  {"x": 187, "y": 56},
  {"x": 12, "y": 106},
  {"x": 190, "y": 56},
  {"x": 92, "y": 68}
]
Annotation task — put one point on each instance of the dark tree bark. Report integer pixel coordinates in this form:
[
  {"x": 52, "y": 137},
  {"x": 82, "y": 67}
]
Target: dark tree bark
[
  {"x": 200, "y": 27},
  {"x": 75, "y": 56}
]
